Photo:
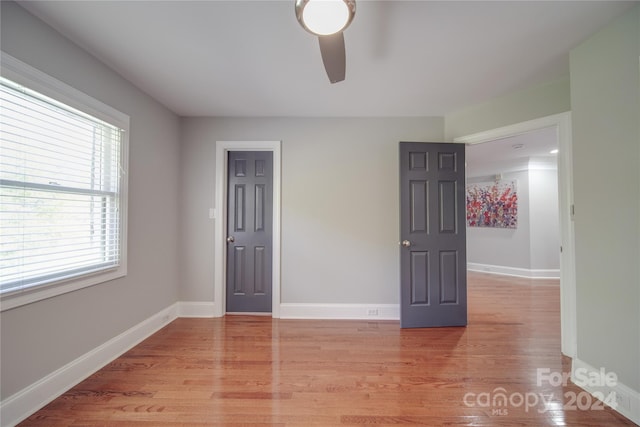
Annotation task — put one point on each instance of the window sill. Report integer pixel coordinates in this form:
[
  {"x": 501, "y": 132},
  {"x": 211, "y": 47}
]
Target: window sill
[{"x": 18, "y": 298}]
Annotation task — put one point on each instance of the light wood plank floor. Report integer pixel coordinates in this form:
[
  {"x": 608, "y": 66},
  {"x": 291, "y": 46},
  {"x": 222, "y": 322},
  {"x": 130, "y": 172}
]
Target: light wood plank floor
[{"x": 241, "y": 371}]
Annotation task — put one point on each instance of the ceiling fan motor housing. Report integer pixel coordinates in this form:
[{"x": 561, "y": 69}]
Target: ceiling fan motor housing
[{"x": 325, "y": 17}]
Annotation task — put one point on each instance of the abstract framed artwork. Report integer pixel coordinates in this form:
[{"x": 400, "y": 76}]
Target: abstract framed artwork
[{"x": 492, "y": 204}]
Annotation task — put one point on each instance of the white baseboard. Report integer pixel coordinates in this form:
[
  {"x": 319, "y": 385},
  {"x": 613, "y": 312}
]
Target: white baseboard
[
  {"x": 195, "y": 309},
  {"x": 21, "y": 405},
  {"x": 27, "y": 401},
  {"x": 340, "y": 311},
  {"x": 514, "y": 271},
  {"x": 627, "y": 400}
]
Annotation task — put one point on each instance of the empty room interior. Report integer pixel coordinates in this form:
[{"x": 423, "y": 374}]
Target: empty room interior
[{"x": 215, "y": 213}]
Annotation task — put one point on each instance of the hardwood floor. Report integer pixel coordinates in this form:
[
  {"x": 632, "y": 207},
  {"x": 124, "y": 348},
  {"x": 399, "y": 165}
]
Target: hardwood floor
[{"x": 241, "y": 371}]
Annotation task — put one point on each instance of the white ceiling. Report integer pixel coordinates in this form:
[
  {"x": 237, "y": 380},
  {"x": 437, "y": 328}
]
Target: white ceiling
[
  {"x": 512, "y": 153},
  {"x": 404, "y": 58}
]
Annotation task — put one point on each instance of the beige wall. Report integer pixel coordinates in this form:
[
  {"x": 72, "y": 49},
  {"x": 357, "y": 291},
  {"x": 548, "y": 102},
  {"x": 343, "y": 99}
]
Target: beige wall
[
  {"x": 339, "y": 203},
  {"x": 41, "y": 337}
]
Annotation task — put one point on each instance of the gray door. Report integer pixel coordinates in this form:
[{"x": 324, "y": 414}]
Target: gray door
[
  {"x": 433, "y": 265},
  {"x": 249, "y": 231}
]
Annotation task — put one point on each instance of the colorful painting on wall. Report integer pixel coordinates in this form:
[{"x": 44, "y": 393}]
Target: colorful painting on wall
[{"x": 492, "y": 204}]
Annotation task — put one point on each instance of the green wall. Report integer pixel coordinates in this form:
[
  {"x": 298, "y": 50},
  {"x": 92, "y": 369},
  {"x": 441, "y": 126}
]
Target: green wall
[
  {"x": 605, "y": 100},
  {"x": 538, "y": 101},
  {"x": 603, "y": 93}
]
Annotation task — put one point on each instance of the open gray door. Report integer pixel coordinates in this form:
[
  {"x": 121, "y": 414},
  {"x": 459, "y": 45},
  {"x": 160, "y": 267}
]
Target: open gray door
[
  {"x": 433, "y": 265},
  {"x": 249, "y": 231}
]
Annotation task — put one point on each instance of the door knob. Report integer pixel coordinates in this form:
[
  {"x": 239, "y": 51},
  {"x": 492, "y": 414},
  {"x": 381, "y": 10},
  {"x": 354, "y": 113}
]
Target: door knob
[
  {"x": 405, "y": 243},
  {"x": 231, "y": 239}
]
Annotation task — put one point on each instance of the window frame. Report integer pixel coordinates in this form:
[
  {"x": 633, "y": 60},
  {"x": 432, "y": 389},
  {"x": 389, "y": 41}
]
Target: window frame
[{"x": 23, "y": 74}]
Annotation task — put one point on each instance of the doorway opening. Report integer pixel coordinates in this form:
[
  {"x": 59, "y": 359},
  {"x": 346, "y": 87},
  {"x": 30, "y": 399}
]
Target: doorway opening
[
  {"x": 513, "y": 209},
  {"x": 561, "y": 123}
]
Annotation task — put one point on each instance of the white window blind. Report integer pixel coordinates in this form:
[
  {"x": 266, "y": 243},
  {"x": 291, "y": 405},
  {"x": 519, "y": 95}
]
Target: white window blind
[{"x": 60, "y": 191}]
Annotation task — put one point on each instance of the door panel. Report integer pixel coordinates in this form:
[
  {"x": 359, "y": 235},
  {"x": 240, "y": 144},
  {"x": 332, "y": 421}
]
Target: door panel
[
  {"x": 239, "y": 267},
  {"x": 259, "y": 254},
  {"x": 240, "y": 210},
  {"x": 249, "y": 231},
  {"x": 448, "y": 209},
  {"x": 449, "y": 285},
  {"x": 433, "y": 254},
  {"x": 260, "y": 207},
  {"x": 418, "y": 211},
  {"x": 419, "y": 276}
]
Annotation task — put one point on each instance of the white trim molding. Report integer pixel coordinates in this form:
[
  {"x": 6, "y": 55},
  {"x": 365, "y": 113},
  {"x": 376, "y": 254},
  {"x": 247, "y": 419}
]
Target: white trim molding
[
  {"x": 222, "y": 148},
  {"x": 195, "y": 309},
  {"x": 562, "y": 123},
  {"x": 340, "y": 311},
  {"x": 23, "y": 74},
  {"x": 27, "y": 401},
  {"x": 626, "y": 401},
  {"x": 513, "y": 271}
]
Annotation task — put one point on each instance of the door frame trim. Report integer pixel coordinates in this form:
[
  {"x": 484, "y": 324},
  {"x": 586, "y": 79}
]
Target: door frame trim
[
  {"x": 220, "y": 220},
  {"x": 562, "y": 123}
]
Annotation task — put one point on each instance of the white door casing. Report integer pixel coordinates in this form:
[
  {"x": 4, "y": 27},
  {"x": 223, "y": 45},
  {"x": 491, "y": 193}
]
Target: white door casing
[{"x": 220, "y": 197}]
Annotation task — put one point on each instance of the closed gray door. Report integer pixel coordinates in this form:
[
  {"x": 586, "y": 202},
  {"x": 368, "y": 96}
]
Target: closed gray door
[
  {"x": 249, "y": 231},
  {"x": 433, "y": 265}
]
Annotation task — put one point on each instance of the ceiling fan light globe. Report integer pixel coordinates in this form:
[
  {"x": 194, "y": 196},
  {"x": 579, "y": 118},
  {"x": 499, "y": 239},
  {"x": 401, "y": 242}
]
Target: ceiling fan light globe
[{"x": 325, "y": 17}]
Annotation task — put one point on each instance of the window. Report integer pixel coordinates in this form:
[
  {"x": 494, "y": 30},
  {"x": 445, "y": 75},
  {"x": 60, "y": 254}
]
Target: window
[{"x": 62, "y": 189}]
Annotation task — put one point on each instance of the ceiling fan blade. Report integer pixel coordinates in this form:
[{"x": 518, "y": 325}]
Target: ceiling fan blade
[{"x": 333, "y": 56}]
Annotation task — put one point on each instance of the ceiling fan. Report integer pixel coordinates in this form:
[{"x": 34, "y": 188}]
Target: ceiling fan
[{"x": 327, "y": 19}]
